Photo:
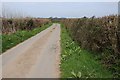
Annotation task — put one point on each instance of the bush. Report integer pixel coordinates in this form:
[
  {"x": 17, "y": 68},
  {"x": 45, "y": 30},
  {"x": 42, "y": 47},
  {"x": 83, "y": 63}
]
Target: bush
[
  {"x": 13, "y": 25},
  {"x": 100, "y": 35}
]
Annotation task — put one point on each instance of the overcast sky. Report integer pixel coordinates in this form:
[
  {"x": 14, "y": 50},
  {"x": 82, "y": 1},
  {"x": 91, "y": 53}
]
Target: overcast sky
[
  {"x": 63, "y": 9},
  {"x": 59, "y": 0}
]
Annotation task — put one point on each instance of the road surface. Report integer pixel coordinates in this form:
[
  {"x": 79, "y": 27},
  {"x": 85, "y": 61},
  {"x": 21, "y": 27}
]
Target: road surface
[{"x": 37, "y": 57}]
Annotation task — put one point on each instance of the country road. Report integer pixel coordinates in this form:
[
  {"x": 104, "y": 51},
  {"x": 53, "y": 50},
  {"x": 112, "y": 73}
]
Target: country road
[{"x": 37, "y": 57}]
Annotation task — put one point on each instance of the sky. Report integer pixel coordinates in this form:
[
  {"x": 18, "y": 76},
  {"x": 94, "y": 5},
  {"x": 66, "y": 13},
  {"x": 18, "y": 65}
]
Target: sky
[
  {"x": 59, "y": 0},
  {"x": 62, "y": 9}
]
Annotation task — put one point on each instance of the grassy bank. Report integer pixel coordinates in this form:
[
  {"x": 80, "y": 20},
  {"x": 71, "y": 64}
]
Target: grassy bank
[
  {"x": 77, "y": 62},
  {"x": 99, "y": 35},
  {"x": 8, "y": 41}
]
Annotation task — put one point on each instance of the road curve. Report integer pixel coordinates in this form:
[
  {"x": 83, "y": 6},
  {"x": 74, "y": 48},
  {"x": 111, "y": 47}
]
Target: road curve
[{"x": 37, "y": 57}]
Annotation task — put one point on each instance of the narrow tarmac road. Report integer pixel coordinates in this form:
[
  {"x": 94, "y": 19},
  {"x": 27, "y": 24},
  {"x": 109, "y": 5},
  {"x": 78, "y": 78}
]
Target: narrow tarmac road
[{"x": 37, "y": 57}]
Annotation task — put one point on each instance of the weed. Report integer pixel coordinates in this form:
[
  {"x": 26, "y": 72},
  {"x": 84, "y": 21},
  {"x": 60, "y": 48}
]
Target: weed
[{"x": 77, "y": 62}]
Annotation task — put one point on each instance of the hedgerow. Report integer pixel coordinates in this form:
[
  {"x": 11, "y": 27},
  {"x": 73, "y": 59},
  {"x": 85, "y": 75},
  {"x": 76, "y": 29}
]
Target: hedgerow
[
  {"x": 11, "y": 25},
  {"x": 100, "y": 35}
]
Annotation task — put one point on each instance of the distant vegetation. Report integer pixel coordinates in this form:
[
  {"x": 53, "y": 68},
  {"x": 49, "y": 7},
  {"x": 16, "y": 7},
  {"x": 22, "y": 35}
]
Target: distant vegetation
[{"x": 99, "y": 35}]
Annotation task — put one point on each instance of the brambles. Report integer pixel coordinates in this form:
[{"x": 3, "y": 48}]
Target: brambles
[
  {"x": 77, "y": 62},
  {"x": 100, "y": 35},
  {"x": 30, "y": 24},
  {"x": 11, "y": 25}
]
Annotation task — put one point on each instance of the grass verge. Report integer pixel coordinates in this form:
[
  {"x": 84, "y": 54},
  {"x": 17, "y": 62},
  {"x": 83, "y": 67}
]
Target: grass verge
[
  {"x": 77, "y": 62},
  {"x": 8, "y": 41}
]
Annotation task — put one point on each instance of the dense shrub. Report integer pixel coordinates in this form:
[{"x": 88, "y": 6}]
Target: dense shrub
[
  {"x": 15, "y": 24},
  {"x": 100, "y": 35}
]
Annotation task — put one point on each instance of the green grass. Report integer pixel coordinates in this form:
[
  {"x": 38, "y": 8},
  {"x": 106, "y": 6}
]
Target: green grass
[
  {"x": 77, "y": 62},
  {"x": 9, "y": 41}
]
